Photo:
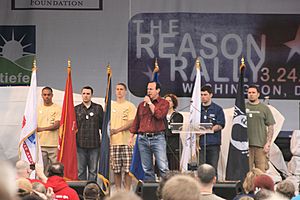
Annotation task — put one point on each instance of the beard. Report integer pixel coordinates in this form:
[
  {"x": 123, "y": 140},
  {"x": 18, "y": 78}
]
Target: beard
[{"x": 252, "y": 100}]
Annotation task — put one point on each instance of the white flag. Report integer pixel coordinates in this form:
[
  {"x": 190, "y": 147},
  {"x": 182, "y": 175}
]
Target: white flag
[
  {"x": 29, "y": 149},
  {"x": 189, "y": 145}
]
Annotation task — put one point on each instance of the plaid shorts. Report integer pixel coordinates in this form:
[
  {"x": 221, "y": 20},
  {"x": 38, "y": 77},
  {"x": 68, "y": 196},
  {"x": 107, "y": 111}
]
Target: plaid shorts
[{"x": 121, "y": 156}]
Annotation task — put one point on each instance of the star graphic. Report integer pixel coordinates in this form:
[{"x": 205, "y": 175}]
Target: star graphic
[{"x": 294, "y": 45}]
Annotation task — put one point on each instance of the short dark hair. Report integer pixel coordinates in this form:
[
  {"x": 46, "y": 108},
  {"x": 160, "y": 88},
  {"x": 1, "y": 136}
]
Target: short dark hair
[
  {"x": 123, "y": 84},
  {"x": 206, "y": 173},
  {"x": 92, "y": 190},
  {"x": 255, "y": 87},
  {"x": 207, "y": 88},
  {"x": 286, "y": 188},
  {"x": 47, "y": 88},
  {"x": 173, "y": 98},
  {"x": 88, "y": 88},
  {"x": 157, "y": 86},
  {"x": 56, "y": 169}
]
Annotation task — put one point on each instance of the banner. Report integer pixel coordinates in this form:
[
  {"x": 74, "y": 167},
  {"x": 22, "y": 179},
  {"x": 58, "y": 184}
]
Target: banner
[
  {"x": 56, "y": 5},
  {"x": 269, "y": 42}
]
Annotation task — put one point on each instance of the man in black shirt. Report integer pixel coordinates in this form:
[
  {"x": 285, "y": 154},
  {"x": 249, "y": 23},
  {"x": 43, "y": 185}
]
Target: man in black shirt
[{"x": 89, "y": 117}]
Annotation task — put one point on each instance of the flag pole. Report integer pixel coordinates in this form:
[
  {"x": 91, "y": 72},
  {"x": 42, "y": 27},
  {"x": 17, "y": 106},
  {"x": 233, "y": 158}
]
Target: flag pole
[
  {"x": 198, "y": 66},
  {"x": 103, "y": 174},
  {"x": 37, "y": 145}
]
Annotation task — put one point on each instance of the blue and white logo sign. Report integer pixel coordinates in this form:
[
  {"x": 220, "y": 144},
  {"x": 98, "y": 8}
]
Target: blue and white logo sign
[{"x": 270, "y": 44}]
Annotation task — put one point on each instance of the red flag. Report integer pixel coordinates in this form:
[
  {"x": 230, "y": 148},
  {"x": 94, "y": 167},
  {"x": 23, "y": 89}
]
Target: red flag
[{"x": 67, "y": 133}]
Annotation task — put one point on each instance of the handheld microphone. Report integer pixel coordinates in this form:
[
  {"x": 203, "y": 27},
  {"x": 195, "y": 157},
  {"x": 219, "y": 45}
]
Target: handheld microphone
[{"x": 145, "y": 101}]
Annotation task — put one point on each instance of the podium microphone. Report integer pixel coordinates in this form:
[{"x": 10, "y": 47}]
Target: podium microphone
[{"x": 267, "y": 100}]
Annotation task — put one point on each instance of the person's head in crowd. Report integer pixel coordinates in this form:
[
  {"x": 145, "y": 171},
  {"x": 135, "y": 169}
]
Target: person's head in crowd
[
  {"x": 86, "y": 94},
  {"x": 248, "y": 184},
  {"x": 263, "y": 182},
  {"x": 246, "y": 198},
  {"x": 47, "y": 95},
  {"x": 24, "y": 187},
  {"x": 124, "y": 195},
  {"x": 206, "y": 174},
  {"x": 23, "y": 169},
  {"x": 172, "y": 99},
  {"x": 8, "y": 186},
  {"x": 39, "y": 187},
  {"x": 40, "y": 190},
  {"x": 32, "y": 196},
  {"x": 269, "y": 195},
  {"x": 56, "y": 169},
  {"x": 91, "y": 191},
  {"x": 286, "y": 188},
  {"x": 263, "y": 194},
  {"x": 206, "y": 95},
  {"x": 181, "y": 187},
  {"x": 191, "y": 174},
  {"x": 163, "y": 181}
]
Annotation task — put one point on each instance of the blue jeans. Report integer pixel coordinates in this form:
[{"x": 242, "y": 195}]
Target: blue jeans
[
  {"x": 212, "y": 156},
  {"x": 87, "y": 160},
  {"x": 149, "y": 146}
]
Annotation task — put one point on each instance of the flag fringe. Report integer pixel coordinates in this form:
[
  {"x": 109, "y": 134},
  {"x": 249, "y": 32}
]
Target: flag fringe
[
  {"x": 23, "y": 140},
  {"x": 106, "y": 184}
]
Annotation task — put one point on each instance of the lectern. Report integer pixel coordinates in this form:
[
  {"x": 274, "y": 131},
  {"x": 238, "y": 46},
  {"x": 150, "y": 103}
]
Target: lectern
[{"x": 197, "y": 129}]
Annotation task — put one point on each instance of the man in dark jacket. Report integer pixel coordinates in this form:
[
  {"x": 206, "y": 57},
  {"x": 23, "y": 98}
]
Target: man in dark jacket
[
  {"x": 59, "y": 185},
  {"x": 210, "y": 143}
]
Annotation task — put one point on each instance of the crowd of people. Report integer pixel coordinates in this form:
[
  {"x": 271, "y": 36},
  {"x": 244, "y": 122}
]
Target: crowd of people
[
  {"x": 175, "y": 185},
  {"x": 149, "y": 126}
]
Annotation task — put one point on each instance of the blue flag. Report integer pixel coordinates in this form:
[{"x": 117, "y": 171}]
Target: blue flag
[
  {"x": 136, "y": 168},
  {"x": 155, "y": 72},
  {"x": 105, "y": 144}
]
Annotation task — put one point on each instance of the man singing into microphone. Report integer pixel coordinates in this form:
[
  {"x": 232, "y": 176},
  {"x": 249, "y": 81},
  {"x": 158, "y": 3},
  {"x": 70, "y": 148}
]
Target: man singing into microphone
[{"x": 149, "y": 124}]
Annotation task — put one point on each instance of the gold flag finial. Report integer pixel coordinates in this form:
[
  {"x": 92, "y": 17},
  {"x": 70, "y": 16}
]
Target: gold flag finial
[
  {"x": 34, "y": 64},
  {"x": 108, "y": 69},
  {"x": 242, "y": 63},
  {"x": 156, "y": 67},
  {"x": 69, "y": 63},
  {"x": 198, "y": 64}
]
